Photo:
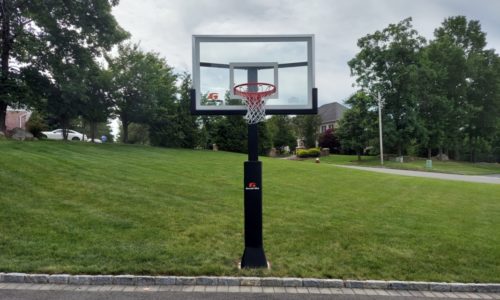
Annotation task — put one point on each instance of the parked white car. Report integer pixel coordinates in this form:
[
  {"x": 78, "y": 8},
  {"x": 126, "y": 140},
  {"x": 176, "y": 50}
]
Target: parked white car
[{"x": 58, "y": 135}]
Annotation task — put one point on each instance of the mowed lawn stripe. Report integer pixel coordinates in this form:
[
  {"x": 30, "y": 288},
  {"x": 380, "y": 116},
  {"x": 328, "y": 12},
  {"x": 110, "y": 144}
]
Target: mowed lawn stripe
[{"x": 111, "y": 209}]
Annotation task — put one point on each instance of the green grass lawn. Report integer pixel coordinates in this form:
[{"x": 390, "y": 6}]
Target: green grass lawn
[
  {"x": 453, "y": 167},
  {"x": 113, "y": 209}
]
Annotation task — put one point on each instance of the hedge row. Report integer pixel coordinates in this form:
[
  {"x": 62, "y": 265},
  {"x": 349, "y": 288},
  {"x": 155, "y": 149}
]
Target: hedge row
[{"x": 312, "y": 152}]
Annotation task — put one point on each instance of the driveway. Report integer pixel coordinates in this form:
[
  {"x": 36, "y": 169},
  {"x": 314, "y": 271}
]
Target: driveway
[{"x": 469, "y": 178}]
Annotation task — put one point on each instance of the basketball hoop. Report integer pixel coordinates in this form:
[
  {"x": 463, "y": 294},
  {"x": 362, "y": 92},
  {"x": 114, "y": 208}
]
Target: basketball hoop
[{"x": 254, "y": 94}]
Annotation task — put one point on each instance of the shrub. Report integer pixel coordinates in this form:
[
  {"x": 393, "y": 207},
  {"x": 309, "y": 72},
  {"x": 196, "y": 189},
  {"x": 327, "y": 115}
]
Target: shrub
[
  {"x": 138, "y": 134},
  {"x": 329, "y": 139},
  {"x": 36, "y": 124},
  {"x": 312, "y": 152}
]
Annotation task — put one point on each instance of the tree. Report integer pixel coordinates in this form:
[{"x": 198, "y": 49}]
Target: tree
[
  {"x": 388, "y": 64},
  {"x": 231, "y": 134},
  {"x": 138, "y": 134},
  {"x": 36, "y": 124},
  {"x": 281, "y": 131},
  {"x": 68, "y": 91},
  {"x": 442, "y": 90},
  {"x": 143, "y": 90},
  {"x": 476, "y": 109},
  {"x": 59, "y": 95},
  {"x": 484, "y": 100},
  {"x": 187, "y": 122},
  {"x": 208, "y": 130},
  {"x": 357, "y": 126},
  {"x": 306, "y": 126},
  {"x": 49, "y": 36},
  {"x": 329, "y": 139},
  {"x": 265, "y": 142},
  {"x": 97, "y": 101},
  {"x": 180, "y": 128}
]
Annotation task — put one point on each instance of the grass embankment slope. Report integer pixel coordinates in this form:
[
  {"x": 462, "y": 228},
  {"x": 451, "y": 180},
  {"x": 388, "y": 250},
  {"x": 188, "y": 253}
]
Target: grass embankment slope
[
  {"x": 452, "y": 167},
  {"x": 81, "y": 208}
]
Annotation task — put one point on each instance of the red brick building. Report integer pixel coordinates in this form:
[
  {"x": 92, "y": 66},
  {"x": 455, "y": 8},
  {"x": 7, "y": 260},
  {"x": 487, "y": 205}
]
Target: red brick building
[{"x": 16, "y": 118}]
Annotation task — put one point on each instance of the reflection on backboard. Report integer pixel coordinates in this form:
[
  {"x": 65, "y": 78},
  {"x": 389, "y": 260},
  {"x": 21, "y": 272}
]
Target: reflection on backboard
[{"x": 222, "y": 62}]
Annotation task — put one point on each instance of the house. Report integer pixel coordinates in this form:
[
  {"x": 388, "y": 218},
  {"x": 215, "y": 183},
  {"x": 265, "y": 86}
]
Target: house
[
  {"x": 16, "y": 118},
  {"x": 330, "y": 115}
]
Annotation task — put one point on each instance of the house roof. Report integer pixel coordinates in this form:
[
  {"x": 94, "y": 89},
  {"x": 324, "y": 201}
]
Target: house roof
[{"x": 331, "y": 112}]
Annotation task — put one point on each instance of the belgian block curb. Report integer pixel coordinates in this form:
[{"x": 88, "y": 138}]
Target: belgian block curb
[{"x": 247, "y": 281}]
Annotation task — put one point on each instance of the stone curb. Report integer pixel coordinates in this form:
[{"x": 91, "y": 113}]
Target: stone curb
[{"x": 247, "y": 281}]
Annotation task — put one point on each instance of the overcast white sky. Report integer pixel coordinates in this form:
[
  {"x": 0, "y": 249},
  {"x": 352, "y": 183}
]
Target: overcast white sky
[{"x": 166, "y": 27}]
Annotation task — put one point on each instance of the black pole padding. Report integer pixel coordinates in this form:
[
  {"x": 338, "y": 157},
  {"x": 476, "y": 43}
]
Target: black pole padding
[{"x": 254, "y": 256}]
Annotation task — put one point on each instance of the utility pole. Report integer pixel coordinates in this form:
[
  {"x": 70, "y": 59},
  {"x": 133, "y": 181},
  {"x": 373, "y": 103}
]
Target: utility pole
[{"x": 379, "y": 99}]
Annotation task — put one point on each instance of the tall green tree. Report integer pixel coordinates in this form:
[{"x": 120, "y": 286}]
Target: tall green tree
[
  {"x": 265, "y": 141},
  {"x": 484, "y": 100},
  {"x": 177, "y": 127},
  {"x": 61, "y": 94},
  {"x": 208, "y": 130},
  {"x": 441, "y": 92},
  {"x": 231, "y": 134},
  {"x": 477, "y": 108},
  {"x": 187, "y": 122},
  {"x": 96, "y": 102},
  {"x": 388, "y": 63},
  {"x": 306, "y": 127},
  {"x": 50, "y": 36},
  {"x": 357, "y": 126},
  {"x": 281, "y": 131},
  {"x": 143, "y": 89}
]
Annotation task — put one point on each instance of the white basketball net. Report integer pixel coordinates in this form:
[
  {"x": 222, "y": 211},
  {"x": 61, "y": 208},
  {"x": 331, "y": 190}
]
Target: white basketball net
[
  {"x": 256, "y": 110},
  {"x": 255, "y": 100}
]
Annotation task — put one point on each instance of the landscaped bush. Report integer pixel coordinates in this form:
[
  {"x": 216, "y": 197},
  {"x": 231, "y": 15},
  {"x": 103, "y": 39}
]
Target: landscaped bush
[
  {"x": 36, "y": 124},
  {"x": 312, "y": 152}
]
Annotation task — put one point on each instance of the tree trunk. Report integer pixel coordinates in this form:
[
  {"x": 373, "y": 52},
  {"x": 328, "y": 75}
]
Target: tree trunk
[
  {"x": 400, "y": 150},
  {"x": 92, "y": 130},
  {"x": 358, "y": 153},
  {"x": 3, "y": 114},
  {"x": 64, "y": 125},
  {"x": 429, "y": 153},
  {"x": 471, "y": 148},
  {"x": 125, "y": 124},
  {"x": 4, "y": 56}
]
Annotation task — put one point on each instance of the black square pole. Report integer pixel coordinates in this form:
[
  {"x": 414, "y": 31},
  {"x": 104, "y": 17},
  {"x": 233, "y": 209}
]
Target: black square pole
[{"x": 254, "y": 256}]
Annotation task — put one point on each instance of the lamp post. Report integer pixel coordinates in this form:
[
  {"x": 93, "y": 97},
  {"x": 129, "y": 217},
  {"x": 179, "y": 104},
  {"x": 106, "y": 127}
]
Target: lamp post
[{"x": 379, "y": 100}]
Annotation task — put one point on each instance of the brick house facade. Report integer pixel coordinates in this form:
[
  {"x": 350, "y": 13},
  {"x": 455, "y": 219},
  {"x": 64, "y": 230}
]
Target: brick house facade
[{"x": 16, "y": 118}]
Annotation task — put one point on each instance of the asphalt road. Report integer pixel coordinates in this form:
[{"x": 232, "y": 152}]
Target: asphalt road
[{"x": 81, "y": 295}]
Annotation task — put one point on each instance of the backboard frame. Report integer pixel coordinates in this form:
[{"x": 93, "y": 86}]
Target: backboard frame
[{"x": 312, "y": 101}]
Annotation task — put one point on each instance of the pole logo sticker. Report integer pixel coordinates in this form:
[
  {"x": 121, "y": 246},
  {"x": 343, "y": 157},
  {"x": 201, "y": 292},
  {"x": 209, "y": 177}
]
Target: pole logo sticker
[{"x": 252, "y": 186}]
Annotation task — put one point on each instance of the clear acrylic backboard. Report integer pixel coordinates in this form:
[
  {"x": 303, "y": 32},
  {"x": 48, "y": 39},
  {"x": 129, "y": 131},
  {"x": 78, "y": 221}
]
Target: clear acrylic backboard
[{"x": 221, "y": 62}]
